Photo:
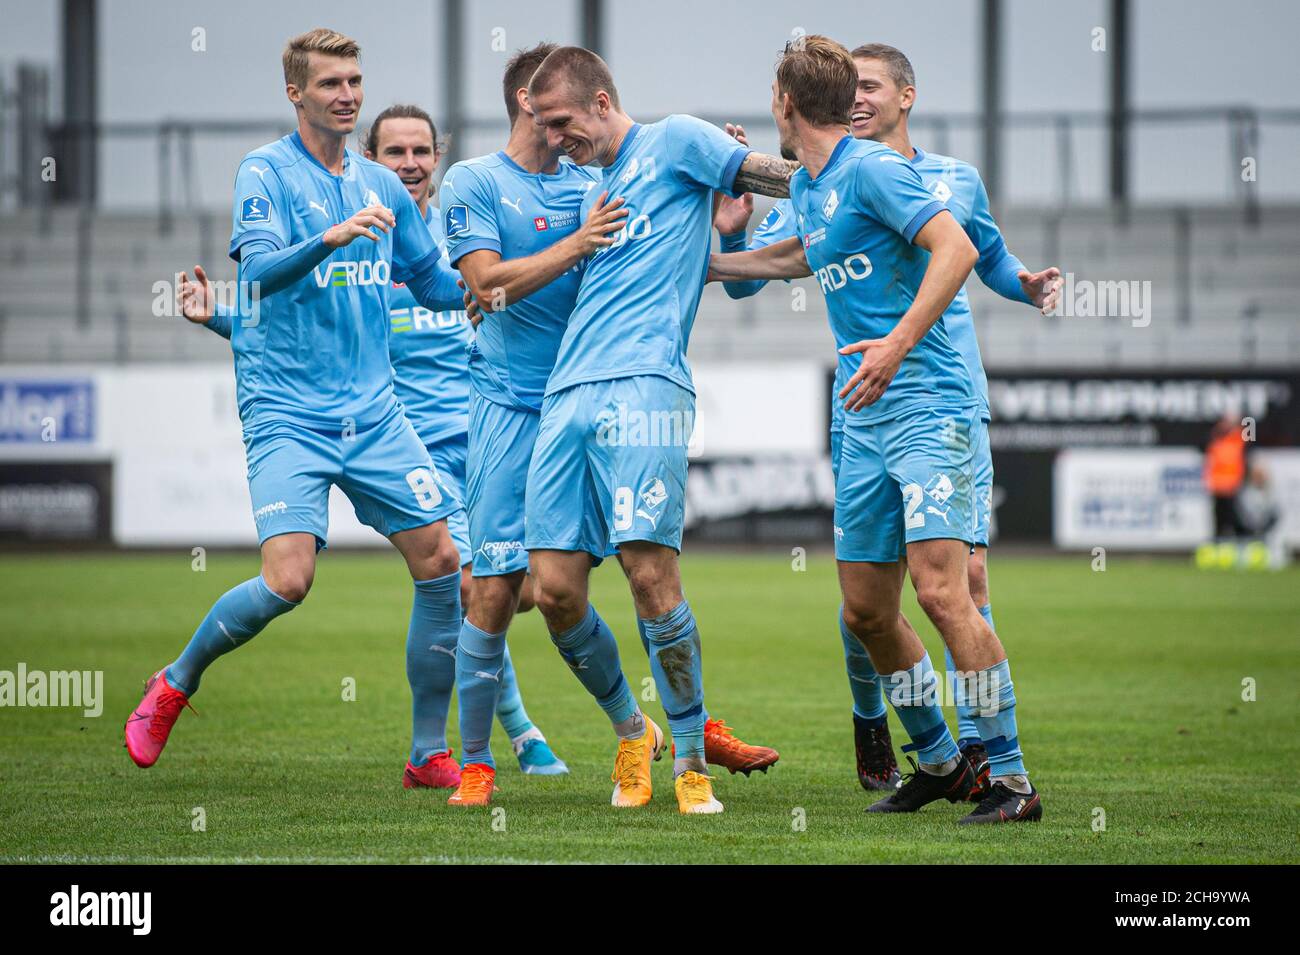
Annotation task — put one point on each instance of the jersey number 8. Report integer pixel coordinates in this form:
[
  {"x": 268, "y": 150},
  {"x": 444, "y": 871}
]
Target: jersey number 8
[{"x": 425, "y": 485}]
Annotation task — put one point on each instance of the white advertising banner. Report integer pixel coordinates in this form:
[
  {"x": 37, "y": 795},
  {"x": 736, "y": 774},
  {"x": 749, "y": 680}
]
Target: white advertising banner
[
  {"x": 180, "y": 474},
  {"x": 1153, "y": 498}
]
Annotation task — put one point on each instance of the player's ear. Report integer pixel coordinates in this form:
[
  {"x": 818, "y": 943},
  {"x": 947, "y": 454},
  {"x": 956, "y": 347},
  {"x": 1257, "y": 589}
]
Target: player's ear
[
  {"x": 521, "y": 97},
  {"x": 909, "y": 97}
]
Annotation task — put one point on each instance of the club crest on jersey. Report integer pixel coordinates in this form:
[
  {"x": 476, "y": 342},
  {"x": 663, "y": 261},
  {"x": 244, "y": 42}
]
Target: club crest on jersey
[
  {"x": 457, "y": 220},
  {"x": 941, "y": 191},
  {"x": 372, "y": 198},
  {"x": 831, "y": 204},
  {"x": 940, "y": 488},
  {"x": 653, "y": 494},
  {"x": 255, "y": 210},
  {"x": 772, "y": 219}
]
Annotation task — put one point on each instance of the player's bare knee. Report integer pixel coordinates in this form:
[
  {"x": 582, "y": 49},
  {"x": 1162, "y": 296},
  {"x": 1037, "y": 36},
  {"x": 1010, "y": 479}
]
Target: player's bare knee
[
  {"x": 866, "y": 621},
  {"x": 557, "y": 602},
  {"x": 291, "y": 582},
  {"x": 654, "y": 589},
  {"x": 442, "y": 560},
  {"x": 942, "y": 602}
]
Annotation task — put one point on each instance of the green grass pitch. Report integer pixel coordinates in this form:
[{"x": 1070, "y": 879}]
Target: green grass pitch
[{"x": 1129, "y": 683}]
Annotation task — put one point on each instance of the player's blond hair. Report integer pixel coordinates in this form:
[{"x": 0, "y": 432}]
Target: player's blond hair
[
  {"x": 320, "y": 40},
  {"x": 820, "y": 78}
]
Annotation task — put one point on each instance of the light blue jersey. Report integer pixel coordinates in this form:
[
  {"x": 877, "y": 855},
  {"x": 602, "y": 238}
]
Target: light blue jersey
[
  {"x": 430, "y": 356},
  {"x": 958, "y": 185},
  {"x": 857, "y": 220},
  {"x": 493, "y": 203},
  {"x": 638, "y": 296},
  {"x": 316, "y": 352}
]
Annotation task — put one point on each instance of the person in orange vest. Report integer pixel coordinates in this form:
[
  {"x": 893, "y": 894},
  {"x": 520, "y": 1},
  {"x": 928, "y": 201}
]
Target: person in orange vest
[{"x": 1225, "y": 471}]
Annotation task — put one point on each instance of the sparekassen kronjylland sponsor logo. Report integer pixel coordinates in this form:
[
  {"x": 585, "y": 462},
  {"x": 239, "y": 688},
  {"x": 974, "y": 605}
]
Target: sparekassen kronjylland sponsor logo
[
  {"x": 75, "y": 908},
  {"x": 78, "y": 689}
]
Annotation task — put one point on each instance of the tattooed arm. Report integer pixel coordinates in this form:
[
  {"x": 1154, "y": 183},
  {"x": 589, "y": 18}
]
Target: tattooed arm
[{"x": 766, "y": 175}]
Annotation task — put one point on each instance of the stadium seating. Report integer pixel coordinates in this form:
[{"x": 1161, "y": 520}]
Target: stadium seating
[{"x": 1228, "y": 304}]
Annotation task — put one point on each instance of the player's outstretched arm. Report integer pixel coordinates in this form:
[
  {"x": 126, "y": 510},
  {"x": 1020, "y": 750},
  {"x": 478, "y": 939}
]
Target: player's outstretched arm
[
  {"x": 952, "y": 256},
  {"x": 999, "y": 269},
  {"x": 1043, "y": 289},
  {"x": 495, "y": 282},
  {"x": 766, "y": 175},
  {"x": 780, "y": 260}
]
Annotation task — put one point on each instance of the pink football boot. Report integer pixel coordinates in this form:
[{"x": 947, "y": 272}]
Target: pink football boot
[
  {"x": 439, "y": 772},
  {"x": 149, "y": 726}
]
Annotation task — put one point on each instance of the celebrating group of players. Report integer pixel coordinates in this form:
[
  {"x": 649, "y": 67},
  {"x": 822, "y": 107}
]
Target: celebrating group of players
[{"x": 499, "y": 461}]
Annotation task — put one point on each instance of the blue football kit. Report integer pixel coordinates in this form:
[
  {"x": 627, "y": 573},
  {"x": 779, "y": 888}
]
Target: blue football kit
[
  {"x": 315, "y": 389},
  {"x": 429, "y": 354},
  {"x": 493, "y": 203},
  {"x": 905, "y": 464},
  {"x": 959, "y": 186},
  {"x": 610, "y": 460},
  {"x": 315, "y": 382},
  {"x": 609, "y": 466},
  {"x": 905, "y": 461}
]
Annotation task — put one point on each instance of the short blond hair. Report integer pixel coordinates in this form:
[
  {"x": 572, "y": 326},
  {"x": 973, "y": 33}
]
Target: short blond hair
[{"x": 320, "y": 40}]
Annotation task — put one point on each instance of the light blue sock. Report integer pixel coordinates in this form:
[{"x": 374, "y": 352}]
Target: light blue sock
[
  {"x": 675, "y": 666},
  {"x": 510, "y": 705},
  {"x": 591, "y": 652},
  {"x": 864, "y": 681},
  {"x": 431, "y": 662},
  {"x": 996, "y": 721},
  {"x": 966, "y": 730},
  {"x": 914, "y": 695},
  {"x": 480, "y": 676},
  {"x": 237, "y": 617},
  {"x": 645, "y": 645}
]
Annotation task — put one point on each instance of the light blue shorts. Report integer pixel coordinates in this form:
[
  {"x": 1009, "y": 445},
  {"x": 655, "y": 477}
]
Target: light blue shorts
[
  {"x": 448, "y": 456},
  {"x": 500, "y": 448},
  {"x": 384, "y": 470},
  {"x": 904, "y": 480},
  {"x": 609, "y": 466},
  {"x": 983, "y": 478}
]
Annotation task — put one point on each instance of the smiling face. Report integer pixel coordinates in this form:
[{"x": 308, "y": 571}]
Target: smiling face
[
  {"x": 330, "y": 99},
  {"x": 878, "y": 103},
  {"x": 580, "y": 130},
  {"x": 406, "y": 146}
]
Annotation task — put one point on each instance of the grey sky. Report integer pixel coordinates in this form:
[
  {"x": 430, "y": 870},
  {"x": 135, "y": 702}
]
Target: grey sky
[{"x": 710, "y": 57}]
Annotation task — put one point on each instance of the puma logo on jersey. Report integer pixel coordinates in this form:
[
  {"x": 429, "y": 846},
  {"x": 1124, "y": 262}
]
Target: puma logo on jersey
[
  {"x": 517, "y": 205},
  {"x": 931, "y": 509},
  {"x": 322, "y": 206},
  {"x": 261, "y": 173}
]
